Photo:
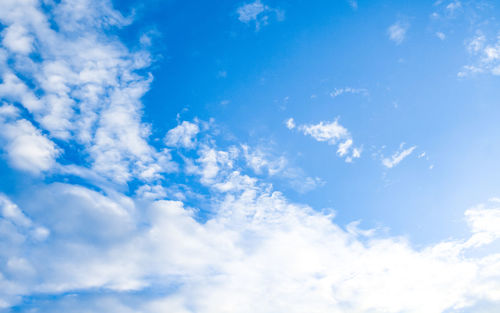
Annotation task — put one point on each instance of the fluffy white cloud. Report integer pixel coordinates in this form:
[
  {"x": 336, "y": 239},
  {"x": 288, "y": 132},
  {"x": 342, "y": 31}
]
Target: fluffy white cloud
[
  {"x": 290, "y": 123},
  {"x": 255, "y": 238},
  {"x": 87, "y": 85},
  {"x": 253, "y": 251},
  {"x": 397, "y": 157},
  {"x": 397, "y": 32},
  {"x": 27, "y": 149},
  {"x": 182, "y": 135},
  {"x": 334, "y": 134},
  {"x": 17, "y": 39}
]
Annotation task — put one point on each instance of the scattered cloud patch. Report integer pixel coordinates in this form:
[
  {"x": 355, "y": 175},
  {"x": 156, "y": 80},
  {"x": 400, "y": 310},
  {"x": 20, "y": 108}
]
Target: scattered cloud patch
[
  {"x": 441, "y": 35},
  {"x": 258, "y": 13},
  {"x": 398, "y": 156},
  {"x": 397, "y": 32},
  {"x": 453, "y": 6},
  {"x": 290, "y": 123},
  {"x": 486, "y": 55},
  {"x": 348, "y": 90}
]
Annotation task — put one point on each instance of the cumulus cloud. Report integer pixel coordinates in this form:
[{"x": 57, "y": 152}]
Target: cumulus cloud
[
  {"x": 182, "y": 135},
  {"x": 397, "y": 32},
  {"x": 27, "y": 148},
  {"x": 85, "y": 245},
  {"x": 86, "y": 90},
  {"x": 258, "y": 13},
  {"x": 398, "y": 156},
  {"x": 255, "y": 238},
  {"x": 334, "y": 134}
]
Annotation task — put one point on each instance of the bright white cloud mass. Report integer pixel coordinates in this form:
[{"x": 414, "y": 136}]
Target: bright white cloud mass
[{"x": 115, "y": 228}]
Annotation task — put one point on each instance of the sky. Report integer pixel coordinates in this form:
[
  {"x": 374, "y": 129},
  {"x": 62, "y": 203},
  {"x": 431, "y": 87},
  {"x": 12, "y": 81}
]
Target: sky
[{"x": 249, "y": 156}]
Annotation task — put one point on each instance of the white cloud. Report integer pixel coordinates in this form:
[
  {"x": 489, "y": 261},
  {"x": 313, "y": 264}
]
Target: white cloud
[
  {"x": 397, "y": 32},
  {"x": 397, "y": 157},
  {"x": 255, "y": 238},
  {"x": 334, "y": 134},
  {"x": 27, "y": 149},
  {"x": 441, "y": 35},
  {"x": 486, "y": 54},
  {"x": 290, "y": 123},
  {"x": 259, "y": 161},
  {"x": 330, "y": 132},
  {"x": 483, "y": 221},
  {"x": 453, "y": 6},
  {"x": 254, "y": 250},
  {"x": 258, "y": 13},
  {"x": 339, "y": 91},
  {"x": 88, "y": 88},
  {"x": 17, "y": 39},
  {"x": 182, "y": 135}
]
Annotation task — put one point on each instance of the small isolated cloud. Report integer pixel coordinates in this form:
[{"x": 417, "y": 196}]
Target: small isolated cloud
[
  {"x": 441, "y": 35},
  {"x": 398, "y": 156},
  {"x": 353, "y": 4},
  {"x": 258, "y": 13},
  {"x": 290, "y": 123},
  {"x": 334, "y": 134},
  {"x": 397, "y": 32},
  {"x": 183, "y": 135},
  {"x": 454, "y": 6},
  {"x": 348, "y": 90}
]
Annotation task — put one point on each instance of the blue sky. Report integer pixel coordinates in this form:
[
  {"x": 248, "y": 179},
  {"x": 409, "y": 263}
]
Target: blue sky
[{"x": 249, "y": 156}]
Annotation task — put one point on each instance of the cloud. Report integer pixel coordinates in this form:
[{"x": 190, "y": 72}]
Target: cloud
[
  {"x": 80, "y": 87},
  {"x": 290, "y": 123},
  {"x": 398, "y": 156},
  {"x": 397, "y": 32},
  {"x": 486, "y": 54},
  {"x": 182, "y": 135},
  {"x": 17, "y": 39},
  {"x": 334, "y": 134},
  {"x": 27, "y": 149},
  {"x": 258, "y": 13},
  {"x": 94, "y": 243},
  {"x": 255, "y": 238},
  {"x": 441, "y": 35},
  {"x": 340, "y": 91}
]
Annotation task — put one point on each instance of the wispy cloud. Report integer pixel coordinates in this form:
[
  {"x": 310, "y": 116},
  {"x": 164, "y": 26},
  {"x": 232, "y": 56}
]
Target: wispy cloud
[
  {"x": 397, "y": 32},
  {"x": 258, "y": 13},
  {"x": 441, "y": 35},
  {"x": 398, "y": 156},
  {"x": 486, "y": 53},
  {"x": 348, "y": 90}
]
